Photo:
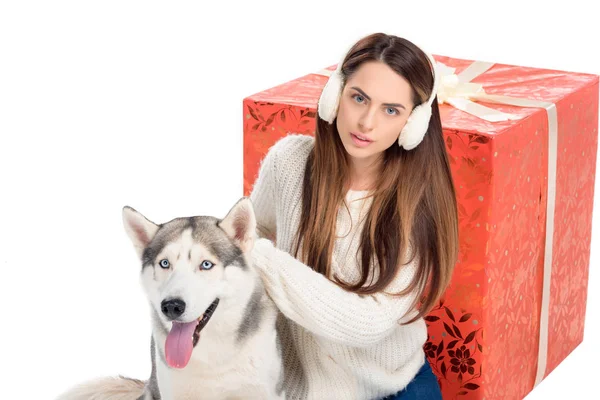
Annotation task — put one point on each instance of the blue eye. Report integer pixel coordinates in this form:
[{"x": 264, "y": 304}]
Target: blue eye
[
  {"x": 356, "y": 96},
  {"x": 164, "y": 263},
  {"x": 394, "y": 111},
  {"x": 206, "y": 265}
]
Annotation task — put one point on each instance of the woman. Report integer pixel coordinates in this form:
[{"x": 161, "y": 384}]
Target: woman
[{"x": 364, "y": 217}]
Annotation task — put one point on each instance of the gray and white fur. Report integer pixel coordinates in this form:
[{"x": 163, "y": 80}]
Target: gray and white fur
[{"x": 238, "y": 353}]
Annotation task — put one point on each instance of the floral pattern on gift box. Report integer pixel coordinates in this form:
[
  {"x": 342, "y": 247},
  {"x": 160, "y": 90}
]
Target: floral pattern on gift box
[
  {"x": 455, "y": 343},
  {"x": 454, "y": 355},
  {"x": 264, "y": 124}
]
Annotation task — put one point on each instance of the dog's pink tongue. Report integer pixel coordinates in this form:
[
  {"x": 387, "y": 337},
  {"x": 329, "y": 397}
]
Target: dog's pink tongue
[{"x": 179, "y": 346}]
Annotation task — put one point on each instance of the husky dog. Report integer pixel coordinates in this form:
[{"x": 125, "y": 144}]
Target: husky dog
[{"x": 213, "y": 326}]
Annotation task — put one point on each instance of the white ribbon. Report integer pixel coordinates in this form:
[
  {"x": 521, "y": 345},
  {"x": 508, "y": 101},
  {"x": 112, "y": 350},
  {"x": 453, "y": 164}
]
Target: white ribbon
[
  {"x": 459, "y": 92},
  {"x": 324, "y": 72}
]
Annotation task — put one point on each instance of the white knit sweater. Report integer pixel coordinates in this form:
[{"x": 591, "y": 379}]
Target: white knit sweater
[{"x": 336, "y": 344}]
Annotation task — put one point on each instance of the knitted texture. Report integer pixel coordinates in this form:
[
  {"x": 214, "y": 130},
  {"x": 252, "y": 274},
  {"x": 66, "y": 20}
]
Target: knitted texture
[{"x": 336, "y": 344}]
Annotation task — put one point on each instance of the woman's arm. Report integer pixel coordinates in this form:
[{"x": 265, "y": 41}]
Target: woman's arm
[
  {"x": 320, "y": 306},
  {"x": 263, "y": 197}
]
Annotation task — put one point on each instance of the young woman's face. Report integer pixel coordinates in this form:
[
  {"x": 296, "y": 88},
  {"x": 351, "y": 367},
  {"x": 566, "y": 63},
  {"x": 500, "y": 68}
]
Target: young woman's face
[{"x": 374, "y": 106}]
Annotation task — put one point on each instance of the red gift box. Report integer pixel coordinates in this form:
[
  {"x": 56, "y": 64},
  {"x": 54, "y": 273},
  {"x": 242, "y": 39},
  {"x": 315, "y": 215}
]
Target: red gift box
[{"x": 525, "y": 183}]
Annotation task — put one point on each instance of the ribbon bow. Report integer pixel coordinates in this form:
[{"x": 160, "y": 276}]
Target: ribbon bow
[{"x": 459, "y": 92}]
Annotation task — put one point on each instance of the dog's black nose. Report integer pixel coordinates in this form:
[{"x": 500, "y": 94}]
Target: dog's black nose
[{"x": 172, "y": 308}]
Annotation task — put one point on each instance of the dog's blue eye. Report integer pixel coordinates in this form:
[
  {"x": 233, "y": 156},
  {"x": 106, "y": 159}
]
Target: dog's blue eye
[
  {"x": 164, "y": 263},
  {"x": 206, "y": 264}
]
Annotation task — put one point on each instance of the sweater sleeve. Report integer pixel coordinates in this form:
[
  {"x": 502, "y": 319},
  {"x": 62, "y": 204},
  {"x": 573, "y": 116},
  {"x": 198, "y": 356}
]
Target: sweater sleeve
[
  {"x": 263, "y": 197},
  {"x": 320, "y": 306}
]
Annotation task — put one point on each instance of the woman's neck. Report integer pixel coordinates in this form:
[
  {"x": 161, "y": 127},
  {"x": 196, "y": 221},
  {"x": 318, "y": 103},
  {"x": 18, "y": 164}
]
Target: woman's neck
[{"x": 363, "y": 173}]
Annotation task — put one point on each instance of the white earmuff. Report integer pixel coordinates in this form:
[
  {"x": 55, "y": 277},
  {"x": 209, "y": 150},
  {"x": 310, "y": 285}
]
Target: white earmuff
[
  {"x": 418, "y": 121},
  {"x": 329, "y": 102}
]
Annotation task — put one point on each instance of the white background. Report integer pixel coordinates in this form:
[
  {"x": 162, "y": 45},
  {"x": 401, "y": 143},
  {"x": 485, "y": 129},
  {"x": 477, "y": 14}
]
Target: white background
[{"x": 113, "y": 103}]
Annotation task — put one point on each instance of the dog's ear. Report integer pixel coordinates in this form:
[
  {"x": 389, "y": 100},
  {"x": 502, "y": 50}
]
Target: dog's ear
[
  {"x": 240, "y": 224},
  {"x": 139, "y": 229}
]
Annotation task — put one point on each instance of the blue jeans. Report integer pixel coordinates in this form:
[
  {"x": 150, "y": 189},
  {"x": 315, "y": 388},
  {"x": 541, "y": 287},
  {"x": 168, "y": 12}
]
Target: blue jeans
[{"x": 424, "y": 386}]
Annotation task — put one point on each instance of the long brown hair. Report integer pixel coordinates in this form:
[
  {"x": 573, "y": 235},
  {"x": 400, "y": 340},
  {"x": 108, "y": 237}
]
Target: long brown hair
[{"x": 414, "y": 200}]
